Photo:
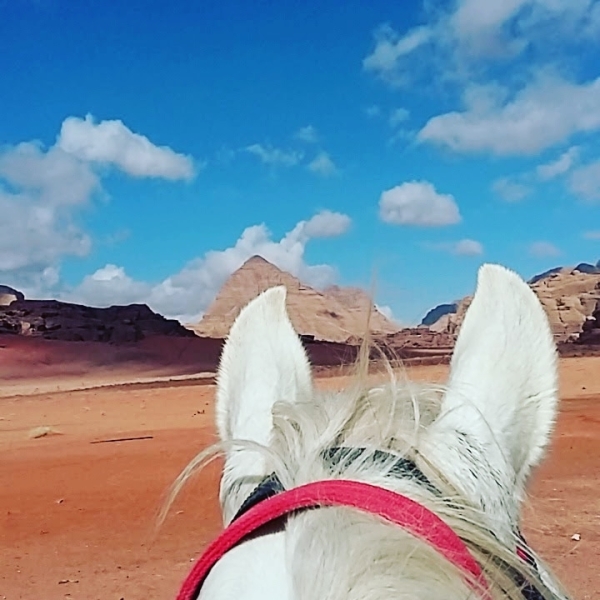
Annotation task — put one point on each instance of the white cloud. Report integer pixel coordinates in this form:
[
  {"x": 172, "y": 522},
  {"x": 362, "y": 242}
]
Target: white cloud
[
  {"x": 387, "y": 312},
  {"x": 307, "y": 134},
  {"x": 511, "y": 191},
  {"x": 546, "y": 112},
  {"x": 398, "y": 115},
  {"x": 592, "y": 235},
  {"x": 460, "y": 42},
  {"x": 507, "y": 61},
  {"x": 187, "y": 294},
  {"x": 585, "y": 181},
  {"x": 110, "y": 285},
  {"x": 373, "y": 111},
  {"x": 467, "y": 247},
  {"x": 53, "y": 176},
  {"x": 322, "y": 165},
  {"x": 418, "y": 203},
  {"x": 478, "y": 28},
  {"x": 464, "y": 247},
  {"x": 275, "y": 156},
  {"x": 44, "y": 192},
  {"x": 519, "y": 187},
  {"x": 559, "y": 166},
  {"x": 543, "y": 250},
  {"x": 391, "y": 48},
  {"x": 111, "y": 142},
  {"x": 327, "y": 224}
]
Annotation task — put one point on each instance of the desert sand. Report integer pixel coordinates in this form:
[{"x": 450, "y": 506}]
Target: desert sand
[{"x": 77, "y": 517}]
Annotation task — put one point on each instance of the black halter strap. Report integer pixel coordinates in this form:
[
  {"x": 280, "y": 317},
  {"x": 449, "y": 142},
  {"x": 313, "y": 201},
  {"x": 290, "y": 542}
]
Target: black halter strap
[{"x": 336, "y": 457}]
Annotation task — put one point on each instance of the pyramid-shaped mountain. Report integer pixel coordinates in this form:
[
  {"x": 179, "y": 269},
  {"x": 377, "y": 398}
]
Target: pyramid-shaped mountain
[{"x": 334, "y": 314}]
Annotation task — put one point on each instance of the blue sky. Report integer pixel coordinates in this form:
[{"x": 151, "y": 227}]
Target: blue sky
[{"x": 147, "y": 150}]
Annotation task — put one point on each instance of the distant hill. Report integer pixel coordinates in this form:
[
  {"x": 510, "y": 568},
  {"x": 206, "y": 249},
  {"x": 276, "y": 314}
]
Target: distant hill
[{"x": 54, "y": 320}]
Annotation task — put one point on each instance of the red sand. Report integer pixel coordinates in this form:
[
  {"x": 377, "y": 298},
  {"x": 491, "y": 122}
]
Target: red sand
[{"x": 77, "y": 518}]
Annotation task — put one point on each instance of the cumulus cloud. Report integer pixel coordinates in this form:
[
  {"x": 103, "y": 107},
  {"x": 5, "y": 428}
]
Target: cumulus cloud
[
  {"x": 53, "y": 176},
  {"x": 585, "y": 181},
  {"x": 479, "y": 28},
  {"x": 560, "y": 166},
  {"x": 322, "y": 165},
  {"x": 509, "y": 190},
  {"x": 592, "y": 235},
  {"x": 186, "y": 294},
  {"x": 271, "y": 156},
  {"x": 43, "y": 193},
  {"x": 373, "y": 111},
  {"x": 397, "y": 116},
  {"x": 307, "y": 134},
  {"x": 467, "y": 247},
  {"x": 418, "y": 203},
  {"x": 112, "y": 143},
  {"x": 469, "y": 36},
  {"x": 544, "y": 250},
  {"x": 543, "y": 113},
  {"x": 391, "y": 48},
  {"x": 500, "y": 58},
  {"x": 110, "y": 285},
  {"x": 514, "y": 189},
  {"x": 327, "y": 224},
  {"x": 464, "y": 247}
]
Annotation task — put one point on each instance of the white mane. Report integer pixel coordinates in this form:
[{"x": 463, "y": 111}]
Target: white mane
[{"x": 475, "y": 439}]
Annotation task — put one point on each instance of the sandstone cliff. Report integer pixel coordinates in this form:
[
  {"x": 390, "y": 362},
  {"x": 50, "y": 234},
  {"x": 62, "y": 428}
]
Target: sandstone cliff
[{"x": 569, "y": 296}]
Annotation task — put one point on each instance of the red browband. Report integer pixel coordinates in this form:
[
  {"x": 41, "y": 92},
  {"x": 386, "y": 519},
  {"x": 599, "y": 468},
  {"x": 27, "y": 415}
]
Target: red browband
[{"x": 393, "y": 507}]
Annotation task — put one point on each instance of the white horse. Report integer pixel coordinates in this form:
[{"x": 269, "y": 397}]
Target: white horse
[{"x": 463, "y": 451}]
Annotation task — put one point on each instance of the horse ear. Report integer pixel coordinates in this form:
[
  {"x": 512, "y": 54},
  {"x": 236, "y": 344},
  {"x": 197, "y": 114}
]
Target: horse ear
[
  {"x": 263, "y": 361},
  {"x": 503, "y": 381}
]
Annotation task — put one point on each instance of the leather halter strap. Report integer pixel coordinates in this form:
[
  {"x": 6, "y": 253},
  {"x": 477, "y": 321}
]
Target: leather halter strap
[{"x": 391, "y": 506}]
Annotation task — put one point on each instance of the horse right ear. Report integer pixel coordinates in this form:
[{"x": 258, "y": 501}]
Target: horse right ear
[
  {"x": 503, "y": 381},
  {"x": 263, "y": 362}
]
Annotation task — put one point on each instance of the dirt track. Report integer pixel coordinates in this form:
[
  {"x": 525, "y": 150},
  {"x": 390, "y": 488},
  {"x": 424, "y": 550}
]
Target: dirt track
[{"x": 76, "y": 518}]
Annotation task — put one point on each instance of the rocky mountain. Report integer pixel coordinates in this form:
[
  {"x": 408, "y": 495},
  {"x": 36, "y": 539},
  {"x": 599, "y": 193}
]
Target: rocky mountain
[
  {"x": 334, "y": 314},
  {"x": 435, "y": 314},
  {"x": 590, "y": 334},
  {"x": 54, "y": 320},
  {"x": 9, "y": 295},
  {"x": 569, "y": 295}
]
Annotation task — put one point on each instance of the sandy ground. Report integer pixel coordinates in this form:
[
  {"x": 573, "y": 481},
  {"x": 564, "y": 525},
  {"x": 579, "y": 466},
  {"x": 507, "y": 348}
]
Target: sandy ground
[{"x": 76, "y": 517}]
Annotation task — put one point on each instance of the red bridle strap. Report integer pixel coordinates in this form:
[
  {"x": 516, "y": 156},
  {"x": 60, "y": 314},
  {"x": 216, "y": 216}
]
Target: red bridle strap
[{"x": 394, "y": 507}]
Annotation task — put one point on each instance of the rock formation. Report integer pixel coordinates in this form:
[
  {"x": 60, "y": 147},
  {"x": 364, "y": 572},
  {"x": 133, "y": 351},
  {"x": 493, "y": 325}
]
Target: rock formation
[
  {"x": 334, "y": 314},
  {"x": 56, "y": 320},
  {"x": 9, "y": 295},
  {"x": 590, "y": 334},
  {"x": 435, "y": 314},
  {"x": 569, "y": 296},
  {"x": 419, "y": 341}
]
